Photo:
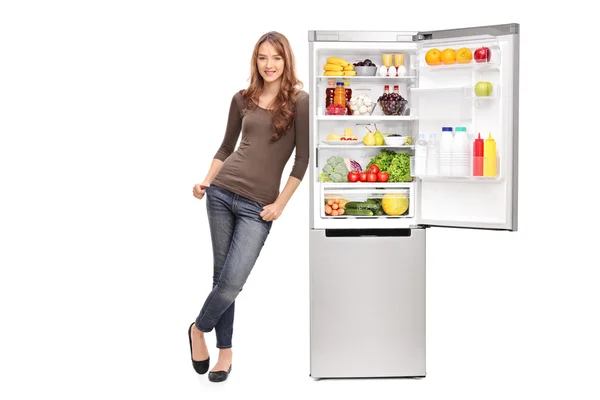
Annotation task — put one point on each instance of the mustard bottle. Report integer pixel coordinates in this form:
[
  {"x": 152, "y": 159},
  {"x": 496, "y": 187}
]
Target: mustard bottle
[{"x": 489, "y": 154}]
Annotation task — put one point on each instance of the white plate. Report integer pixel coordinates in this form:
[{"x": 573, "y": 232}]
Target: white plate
[{"x": 342, "y": 142}]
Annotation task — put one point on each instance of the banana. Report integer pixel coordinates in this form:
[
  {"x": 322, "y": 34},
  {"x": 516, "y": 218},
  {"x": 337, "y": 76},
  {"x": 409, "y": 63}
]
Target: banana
[
  {"x": 349, "y": 67},
  {"x": 333, "y": 67},
  {"x": 333, "y": 73},
  {"x": 337, "y": 60},
  {"x": 349, "y": 73}
]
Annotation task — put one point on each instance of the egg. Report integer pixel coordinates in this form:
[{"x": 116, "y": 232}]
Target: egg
[
  {"x": 367, "y": 102},
  {"x": 382, "y": 70},
  {"x": 363, "y": 109}
]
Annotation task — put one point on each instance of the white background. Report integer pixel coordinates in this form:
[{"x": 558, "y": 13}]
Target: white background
[{"x": 110, "y": 111}]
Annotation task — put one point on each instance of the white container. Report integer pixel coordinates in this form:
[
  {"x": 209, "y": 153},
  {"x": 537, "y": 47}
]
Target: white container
[
  {"x": 461, "y": 155},
  {"x": 432, "y": 156},
  {"x": 421, "y": 155},
  {"x": 445, "y": 152}
]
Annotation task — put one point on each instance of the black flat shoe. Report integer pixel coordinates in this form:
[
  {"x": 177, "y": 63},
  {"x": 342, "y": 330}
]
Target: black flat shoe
[
  {"x": 219, "y": 376},
  {"x": 199, "y": 366}
]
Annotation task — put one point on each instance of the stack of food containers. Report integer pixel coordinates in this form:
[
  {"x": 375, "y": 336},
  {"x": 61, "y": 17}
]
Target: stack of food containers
[{"x": 461, "y": 159}]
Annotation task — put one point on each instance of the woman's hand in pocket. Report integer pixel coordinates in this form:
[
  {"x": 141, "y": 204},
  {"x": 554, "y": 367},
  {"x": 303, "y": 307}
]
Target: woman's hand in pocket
[
  {"x": 199, "y": 190},
  {"x": 271, "y": 212}
]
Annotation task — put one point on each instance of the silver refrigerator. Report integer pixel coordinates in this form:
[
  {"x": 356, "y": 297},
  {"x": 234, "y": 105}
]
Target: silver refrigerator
[{"x": 368, "y": 233}]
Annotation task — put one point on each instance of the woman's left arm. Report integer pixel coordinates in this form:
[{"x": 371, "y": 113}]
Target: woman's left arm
[{"x": 272, "y": 211}]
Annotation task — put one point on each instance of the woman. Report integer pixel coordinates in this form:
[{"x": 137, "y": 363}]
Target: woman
[{"x": 242, "y": 187}]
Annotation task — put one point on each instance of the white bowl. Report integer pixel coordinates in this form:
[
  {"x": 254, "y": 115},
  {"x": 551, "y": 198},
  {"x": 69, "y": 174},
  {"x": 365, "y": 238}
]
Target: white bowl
[{"x": 395, "y": 140}]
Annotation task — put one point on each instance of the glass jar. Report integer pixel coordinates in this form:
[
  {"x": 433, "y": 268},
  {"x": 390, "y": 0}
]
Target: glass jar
[
  {"x": 348, "y": 97},
  {"x": 329, "y": 93}
]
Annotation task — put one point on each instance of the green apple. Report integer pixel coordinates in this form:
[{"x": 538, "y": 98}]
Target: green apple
[{"x": 483, "y": 89}]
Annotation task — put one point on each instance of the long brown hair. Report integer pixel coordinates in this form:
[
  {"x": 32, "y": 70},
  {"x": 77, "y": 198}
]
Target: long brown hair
[{"x": 284, "y": 105}]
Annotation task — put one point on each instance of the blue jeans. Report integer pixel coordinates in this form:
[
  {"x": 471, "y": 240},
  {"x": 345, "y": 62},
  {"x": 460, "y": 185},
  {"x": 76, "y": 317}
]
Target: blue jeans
[{"x": 238, "y": 234}]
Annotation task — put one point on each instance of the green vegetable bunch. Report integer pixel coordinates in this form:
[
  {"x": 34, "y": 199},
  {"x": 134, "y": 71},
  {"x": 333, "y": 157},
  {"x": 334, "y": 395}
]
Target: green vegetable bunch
[
  {"x": 334, "y": 170},
  {"x": 395, "y": 164}
]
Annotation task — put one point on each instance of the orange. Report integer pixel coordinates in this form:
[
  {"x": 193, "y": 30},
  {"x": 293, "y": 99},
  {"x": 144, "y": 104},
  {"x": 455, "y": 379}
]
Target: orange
[
  {"x": 464, "y": 55},
  {"x": 449, "y": 56},
  {"x": 433, "y": 57}
]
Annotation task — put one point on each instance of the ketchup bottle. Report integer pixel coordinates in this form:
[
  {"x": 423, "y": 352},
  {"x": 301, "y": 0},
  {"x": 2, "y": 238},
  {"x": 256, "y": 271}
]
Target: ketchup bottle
[{"x": 478, "y": 156}]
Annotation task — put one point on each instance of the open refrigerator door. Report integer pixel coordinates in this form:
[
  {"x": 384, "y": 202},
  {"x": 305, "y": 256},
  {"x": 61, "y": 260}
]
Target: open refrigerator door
[{"x": 467, "y": 95}]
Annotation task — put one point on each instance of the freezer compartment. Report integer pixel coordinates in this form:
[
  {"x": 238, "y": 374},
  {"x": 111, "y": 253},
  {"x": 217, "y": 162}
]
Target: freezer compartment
[
  {"x": 367, "y": 203},
  {"x": 367, "y": 303}
]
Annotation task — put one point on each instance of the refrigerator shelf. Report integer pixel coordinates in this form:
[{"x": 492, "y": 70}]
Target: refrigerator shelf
[
  {"x": 366, "y": 118},
  {"x": 366, "y": 185},
  {"x": 362, "y": 146},
  {"x": 375, "y": 79},
  {"x": 446, "y": 67},
  {"x": 462, "y": 179}
]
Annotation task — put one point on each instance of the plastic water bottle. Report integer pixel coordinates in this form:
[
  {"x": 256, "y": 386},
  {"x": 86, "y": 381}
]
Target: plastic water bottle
[
  {"x": 421, "y": 155},
  {"x": 432, "y": 156},
  {"x": 445, "y": 151}
]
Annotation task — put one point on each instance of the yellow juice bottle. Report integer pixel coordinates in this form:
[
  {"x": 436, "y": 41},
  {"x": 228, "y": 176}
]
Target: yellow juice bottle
[{"x": 489, "y": 156}]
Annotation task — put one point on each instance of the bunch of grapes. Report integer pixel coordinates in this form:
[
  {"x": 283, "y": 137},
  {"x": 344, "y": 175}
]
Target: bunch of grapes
[{"x": 392, "y": 103}]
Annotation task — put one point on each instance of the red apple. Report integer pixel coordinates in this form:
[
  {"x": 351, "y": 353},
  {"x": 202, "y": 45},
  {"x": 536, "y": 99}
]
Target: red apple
[{"x": 482, "y": 54}]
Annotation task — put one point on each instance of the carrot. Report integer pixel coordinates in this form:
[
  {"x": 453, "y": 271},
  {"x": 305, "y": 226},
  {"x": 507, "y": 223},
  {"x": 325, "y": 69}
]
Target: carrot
[
  {"x": 334, "y": 213},
  {"x": 335, "y": 206},
  {"x": 340, "y": 211},
  {"x": 328, "y": 210},
  {"x": 329, "y": 202}
]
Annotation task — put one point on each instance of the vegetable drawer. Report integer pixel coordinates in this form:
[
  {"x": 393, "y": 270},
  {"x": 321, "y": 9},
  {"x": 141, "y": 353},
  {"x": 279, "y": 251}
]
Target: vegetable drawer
[{"x": 366, "y": 203}]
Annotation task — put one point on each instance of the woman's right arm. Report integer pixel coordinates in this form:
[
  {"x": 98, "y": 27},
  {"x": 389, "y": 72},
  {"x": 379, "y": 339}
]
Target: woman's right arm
[{"x": 232, "y": 133}]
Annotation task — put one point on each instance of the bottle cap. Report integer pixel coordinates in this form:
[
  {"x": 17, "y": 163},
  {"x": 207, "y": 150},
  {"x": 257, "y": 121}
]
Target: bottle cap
[
  {"x": 386, "y": 87},
  {"x": 447, "y": 129},
  {"x": 340, "y": 84},
  {"x": 395, "y": 87},
  {"x": 461, "y": 129},
  {"x": 346, "y": 83}
]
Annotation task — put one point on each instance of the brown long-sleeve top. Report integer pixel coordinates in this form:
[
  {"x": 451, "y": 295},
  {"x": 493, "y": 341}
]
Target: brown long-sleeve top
[{"x": 254, "y": 170}]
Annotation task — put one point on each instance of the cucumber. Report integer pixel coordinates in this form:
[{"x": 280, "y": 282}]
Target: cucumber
[
  {"x": 378, "y": 212},
  {"x": 361, "y": 206},
  {"x": 356, "y": 211}
]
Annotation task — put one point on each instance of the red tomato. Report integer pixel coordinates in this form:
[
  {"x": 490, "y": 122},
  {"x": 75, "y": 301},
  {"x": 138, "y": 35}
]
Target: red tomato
[
  {"x": 374, "y": 169},
  {"x": 342, "y": 138},
  {"x": 383, "y": 176},
  {"x": 362, "y": 176},
  {"x": 353, "y": 176},
  {"x": 372, "y": 177}
]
